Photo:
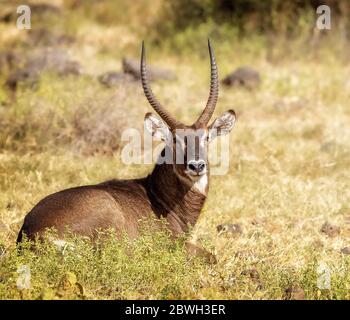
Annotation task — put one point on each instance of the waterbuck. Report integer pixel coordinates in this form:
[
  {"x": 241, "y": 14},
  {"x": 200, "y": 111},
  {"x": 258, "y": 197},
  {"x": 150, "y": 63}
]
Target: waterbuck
[{"x": 175, "y": 190}]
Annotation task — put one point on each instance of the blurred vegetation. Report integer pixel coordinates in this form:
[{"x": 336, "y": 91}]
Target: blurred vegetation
[
  {"x": 108, "y": 269},
  {"x": 183, "y": 25},
  {"x": 246, "y": 15},
  {"x": 166, "y": 18},
  {"x": 152, "y": 267},
  {"x": 289, "y": 152}
]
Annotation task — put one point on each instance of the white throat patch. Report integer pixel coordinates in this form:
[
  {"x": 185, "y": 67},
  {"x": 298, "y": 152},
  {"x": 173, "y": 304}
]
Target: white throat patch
[{"x": 201, "y": 184}]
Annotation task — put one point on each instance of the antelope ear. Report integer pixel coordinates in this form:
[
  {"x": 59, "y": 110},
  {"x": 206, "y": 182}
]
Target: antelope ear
[
  {"x": 156, "y": 127},
  {"x": 223, "y": 125}
]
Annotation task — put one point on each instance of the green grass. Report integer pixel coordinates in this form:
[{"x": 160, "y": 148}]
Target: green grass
[
  {"x": 109, "y": 269},
  {"x": 288, "y": 174}
]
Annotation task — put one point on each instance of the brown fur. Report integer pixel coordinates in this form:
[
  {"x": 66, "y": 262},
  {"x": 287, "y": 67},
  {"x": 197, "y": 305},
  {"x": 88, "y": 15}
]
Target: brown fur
[
  {"x": 117, "y": 204},
  {"x": 169, "y": 191}
]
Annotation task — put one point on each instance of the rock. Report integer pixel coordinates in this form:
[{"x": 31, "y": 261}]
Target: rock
[
  {"x": 345, "y": 250},
  {"x": 254, "y": 276},
  {"x": 243, "y": 76},
  {"x": 252, "y": 273},
  {"x": 48, "y": 59},
  {"x": 193, "y": 249},
  {"x": 112, "y": 79},
  {"x": 229, "y": 228},
  {"x": 294, "y": 293},
  {"x": 132, "y": 66},
  {"x": 19, "y": 76},
  {"x": 330, "y": 230},
  {"x": 55, "y": 60},
  {"x": 47, "y": 38},
  {"x": 9, "y": 13},
  {"x": 42, "y": 8}
]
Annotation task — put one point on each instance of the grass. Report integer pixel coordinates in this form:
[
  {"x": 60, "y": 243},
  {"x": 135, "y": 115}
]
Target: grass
[{"x": 288, "y": 175}]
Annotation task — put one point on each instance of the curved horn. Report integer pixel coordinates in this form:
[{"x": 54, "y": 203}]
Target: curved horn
[
  {"x": 165, "y": 115},
  {"x": 214, "y": 90}
]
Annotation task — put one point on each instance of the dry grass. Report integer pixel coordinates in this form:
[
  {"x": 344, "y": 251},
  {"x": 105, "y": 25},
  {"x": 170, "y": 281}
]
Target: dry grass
[{"x": 289, "y": 172}]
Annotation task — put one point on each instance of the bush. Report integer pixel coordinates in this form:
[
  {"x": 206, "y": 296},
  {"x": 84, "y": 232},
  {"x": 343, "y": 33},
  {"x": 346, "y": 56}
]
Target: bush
[
  {"x": 75, "y": 112},
  {"x": 153, "y": 266},
  {"x": 246, "y": 15}
]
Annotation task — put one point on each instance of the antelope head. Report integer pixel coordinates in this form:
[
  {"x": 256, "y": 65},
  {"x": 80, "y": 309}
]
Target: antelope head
[{"x": 187, "y": 145}]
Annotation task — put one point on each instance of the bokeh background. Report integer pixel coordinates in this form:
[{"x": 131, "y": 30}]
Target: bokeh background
[{"x": 69, "y": 87}]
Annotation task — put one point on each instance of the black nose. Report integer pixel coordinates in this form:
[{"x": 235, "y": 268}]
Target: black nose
[{"x": 196, "y": 166}]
